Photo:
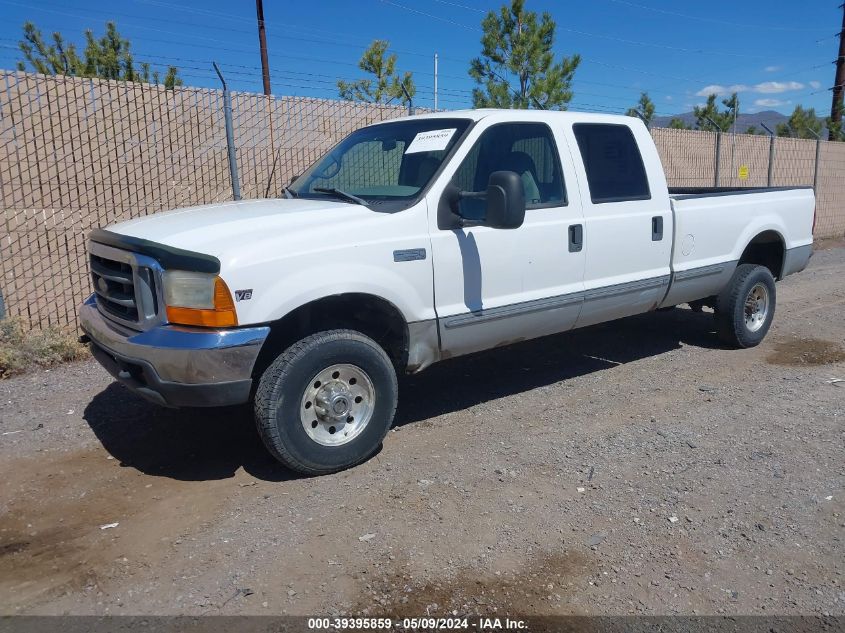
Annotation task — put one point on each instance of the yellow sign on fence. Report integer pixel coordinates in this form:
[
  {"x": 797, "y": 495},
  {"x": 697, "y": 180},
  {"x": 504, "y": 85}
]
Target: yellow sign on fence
[{"x": 743, "y": 172}]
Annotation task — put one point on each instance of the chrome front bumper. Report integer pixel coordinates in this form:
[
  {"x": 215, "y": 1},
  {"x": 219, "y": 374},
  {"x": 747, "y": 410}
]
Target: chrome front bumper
[{"x": 176, "y": 366}]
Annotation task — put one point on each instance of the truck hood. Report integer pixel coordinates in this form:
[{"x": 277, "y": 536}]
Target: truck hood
[{"x": 227, "y": 230}]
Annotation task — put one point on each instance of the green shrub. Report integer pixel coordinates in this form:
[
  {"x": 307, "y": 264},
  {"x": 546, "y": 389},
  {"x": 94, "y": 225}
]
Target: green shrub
[{"x": 22, "y": 348}]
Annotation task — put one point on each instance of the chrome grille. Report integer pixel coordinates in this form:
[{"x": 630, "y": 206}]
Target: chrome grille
[
  {"x": 126, "y": 285},
  {"x": 114, "y": 284}
]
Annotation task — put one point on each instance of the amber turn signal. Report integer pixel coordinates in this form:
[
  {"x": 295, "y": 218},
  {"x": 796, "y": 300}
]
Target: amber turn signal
[{"x": 222, "y": 315}]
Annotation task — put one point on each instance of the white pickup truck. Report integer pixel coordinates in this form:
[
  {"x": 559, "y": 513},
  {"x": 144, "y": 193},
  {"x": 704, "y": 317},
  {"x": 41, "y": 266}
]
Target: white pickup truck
[{"x": 414, "y": 241}]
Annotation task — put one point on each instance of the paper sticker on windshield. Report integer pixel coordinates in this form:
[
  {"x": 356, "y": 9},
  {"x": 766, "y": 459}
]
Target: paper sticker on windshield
[{"x": 431, "y": 141}]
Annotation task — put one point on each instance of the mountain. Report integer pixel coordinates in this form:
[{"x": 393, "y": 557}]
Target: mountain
[{"x": 744, "y": 121}]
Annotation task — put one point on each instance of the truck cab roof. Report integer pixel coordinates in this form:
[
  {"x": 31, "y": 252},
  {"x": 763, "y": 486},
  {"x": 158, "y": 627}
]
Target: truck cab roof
[{"x": 529, "y": 115}]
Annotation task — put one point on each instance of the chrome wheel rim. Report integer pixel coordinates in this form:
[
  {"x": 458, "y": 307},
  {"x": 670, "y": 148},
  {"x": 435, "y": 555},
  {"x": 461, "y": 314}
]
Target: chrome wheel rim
[
  {"x": 337, "y": 405},
  {"x": 756, "y": 307}
]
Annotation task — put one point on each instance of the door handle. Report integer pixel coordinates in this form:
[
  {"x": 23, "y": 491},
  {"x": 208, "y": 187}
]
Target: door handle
[
  {"x": 576, "y": 237},
  {"x": 657, "y": 228}
]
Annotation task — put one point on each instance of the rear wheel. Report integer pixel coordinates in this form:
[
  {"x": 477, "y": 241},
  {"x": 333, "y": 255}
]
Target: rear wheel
[
  {"x": 326, "y": 402},
  {"x": 746, "y": 306}
]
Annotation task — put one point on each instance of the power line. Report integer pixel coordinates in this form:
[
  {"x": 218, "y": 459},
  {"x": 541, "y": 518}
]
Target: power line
[
  {"x": 582, "y": 33},
  {"x": 711, "y": 20},
  {"x": 430, "y": 15},
  {"x": 334, "y": 61},
  {"x": 288, "y": 36},
  {"x": 182, "y": 34},
  {"x": 183, "y": 62},
  {"x": 575, "y": 31}
]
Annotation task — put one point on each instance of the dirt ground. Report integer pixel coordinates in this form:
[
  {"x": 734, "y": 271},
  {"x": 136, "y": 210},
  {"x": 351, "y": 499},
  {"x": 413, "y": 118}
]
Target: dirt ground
[{"x": 634, "y": 467}]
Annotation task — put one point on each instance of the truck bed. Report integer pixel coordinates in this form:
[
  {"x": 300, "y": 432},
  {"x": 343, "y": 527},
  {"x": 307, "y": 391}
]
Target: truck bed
[{"x": 714, "y": 225}]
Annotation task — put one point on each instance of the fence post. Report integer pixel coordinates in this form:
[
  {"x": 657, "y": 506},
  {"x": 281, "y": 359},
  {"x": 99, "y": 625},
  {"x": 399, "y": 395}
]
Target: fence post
[
  {"x": 718, "y": 158},
  {"x": 2, "y": 306},
  {"x": 771, "y": 153},
  {"x": 816, "y": 166},
  {"x": 718, "y": 149},
  {"x": 410, "y": 101},
  {"x": 230, "y": 135},
  {"x": 771, "y": 160}
]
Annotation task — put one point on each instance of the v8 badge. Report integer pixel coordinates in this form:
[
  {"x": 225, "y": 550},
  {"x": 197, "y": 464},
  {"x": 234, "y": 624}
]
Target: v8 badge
[{"x": 243, "y": 295}]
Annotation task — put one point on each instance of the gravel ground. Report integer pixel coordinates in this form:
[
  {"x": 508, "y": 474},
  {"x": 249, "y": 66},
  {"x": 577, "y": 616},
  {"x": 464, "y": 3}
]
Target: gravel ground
[{"x": 633, "y": 467}]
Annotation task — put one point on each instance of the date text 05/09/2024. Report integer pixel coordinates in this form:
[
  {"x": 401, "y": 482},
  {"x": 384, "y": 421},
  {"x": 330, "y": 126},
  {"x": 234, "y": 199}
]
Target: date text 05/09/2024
[{"x": 416, "y": 624}]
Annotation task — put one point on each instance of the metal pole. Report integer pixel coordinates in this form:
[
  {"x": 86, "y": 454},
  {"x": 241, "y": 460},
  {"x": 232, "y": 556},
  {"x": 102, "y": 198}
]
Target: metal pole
[
  {"x": 262, "y": 42},
  {"x": 818, "y": 153},
  {"x": 733, "y": 143},
  {"x": 718, "y": 149},
  {"x": 230, "y": 135},
  {"x": 435, "y": 82},
  {"x": 771, "y": 153},
  {"x": 410, "y": 102}
]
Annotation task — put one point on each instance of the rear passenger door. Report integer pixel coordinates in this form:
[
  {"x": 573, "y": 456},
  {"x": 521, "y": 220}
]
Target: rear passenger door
[{"x": 627, "y": 220}]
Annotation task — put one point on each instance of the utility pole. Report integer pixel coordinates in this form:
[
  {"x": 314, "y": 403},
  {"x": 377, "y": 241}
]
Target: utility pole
[
  {"x": 435, "y": 82},
  {"x": 839, "y": 83},
  {"x": 262, "y": 40}
]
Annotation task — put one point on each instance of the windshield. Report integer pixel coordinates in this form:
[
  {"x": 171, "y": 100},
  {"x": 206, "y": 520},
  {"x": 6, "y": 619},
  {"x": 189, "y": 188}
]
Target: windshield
[{"x": 389, "y": 162}]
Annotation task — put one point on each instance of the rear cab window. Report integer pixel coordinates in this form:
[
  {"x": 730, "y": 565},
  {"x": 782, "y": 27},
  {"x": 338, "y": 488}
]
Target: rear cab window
[{"x": 612, "y": 161}]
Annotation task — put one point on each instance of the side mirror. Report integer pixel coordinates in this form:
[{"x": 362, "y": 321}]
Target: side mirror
[{"x": 505, "y": 200}]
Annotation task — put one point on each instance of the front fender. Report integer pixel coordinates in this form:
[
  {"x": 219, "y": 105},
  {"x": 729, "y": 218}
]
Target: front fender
[{"x": 407, "y": 285}]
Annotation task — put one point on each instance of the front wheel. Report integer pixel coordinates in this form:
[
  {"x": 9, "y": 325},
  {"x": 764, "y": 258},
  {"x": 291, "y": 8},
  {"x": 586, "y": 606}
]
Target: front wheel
[
  {"x": 746, "y": 306},
  {"x": 326, "y": 402}
]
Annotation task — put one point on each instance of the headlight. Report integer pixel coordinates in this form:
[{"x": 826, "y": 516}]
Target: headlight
[{"x": 198, "y": 299}]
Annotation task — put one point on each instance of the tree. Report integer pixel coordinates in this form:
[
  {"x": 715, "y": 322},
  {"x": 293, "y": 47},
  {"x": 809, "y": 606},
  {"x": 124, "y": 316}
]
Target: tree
[
  {"x": 724, "y": 119},
  {"x": 802, "y": 123},
  {"x": 517, "y": 47},
  {"x": 645, "y": 107},
  {"x": 108, "y": 57},
  {"x": 387, "y": 84},
  {"x": 752, "y": 130},
  {"x": 677, "y": 123}
]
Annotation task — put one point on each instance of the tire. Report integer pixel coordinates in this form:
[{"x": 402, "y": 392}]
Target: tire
[
  {"x": 736, "y": 325},
  {"x": 326, "y": 403}
]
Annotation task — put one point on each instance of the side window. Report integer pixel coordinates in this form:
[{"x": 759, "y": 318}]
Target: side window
[
  {"x": 612, "y": 160},
  {"x": 525, "y": 148}
]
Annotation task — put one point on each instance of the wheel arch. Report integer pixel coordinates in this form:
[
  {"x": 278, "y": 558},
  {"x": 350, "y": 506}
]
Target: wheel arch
[
  {"x": 372, "y": 315},
  {"x": 767, "y": 248}
]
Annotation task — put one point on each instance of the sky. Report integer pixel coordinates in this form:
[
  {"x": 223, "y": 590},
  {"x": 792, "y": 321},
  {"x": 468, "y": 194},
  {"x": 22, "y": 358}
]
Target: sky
[{"x": 773, "y": 53}]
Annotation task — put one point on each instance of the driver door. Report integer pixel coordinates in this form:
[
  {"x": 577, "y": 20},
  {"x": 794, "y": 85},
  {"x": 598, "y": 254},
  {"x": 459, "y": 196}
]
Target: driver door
[{"x": 498, "y": 286}]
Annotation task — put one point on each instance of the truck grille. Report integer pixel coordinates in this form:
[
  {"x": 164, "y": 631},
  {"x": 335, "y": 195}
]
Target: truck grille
[
  {"x": 125, "y": 285},
  {"x": 114, "y": 284}
]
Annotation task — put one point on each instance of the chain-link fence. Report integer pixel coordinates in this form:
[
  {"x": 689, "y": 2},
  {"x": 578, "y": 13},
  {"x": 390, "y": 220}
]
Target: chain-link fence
[
  {"x": 76, "y": 154},
  {"x": 82, "y": 153},
  {"x": 693, "y": 158}
]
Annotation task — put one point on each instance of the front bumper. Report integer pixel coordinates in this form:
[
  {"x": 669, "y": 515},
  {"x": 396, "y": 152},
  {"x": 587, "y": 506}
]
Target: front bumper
[{"x": 176, "y": 366}]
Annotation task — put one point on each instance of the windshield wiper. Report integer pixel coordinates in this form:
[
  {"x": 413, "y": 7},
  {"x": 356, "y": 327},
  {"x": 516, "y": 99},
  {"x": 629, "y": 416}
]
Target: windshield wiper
[{"x": 340, "y": 194}]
